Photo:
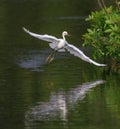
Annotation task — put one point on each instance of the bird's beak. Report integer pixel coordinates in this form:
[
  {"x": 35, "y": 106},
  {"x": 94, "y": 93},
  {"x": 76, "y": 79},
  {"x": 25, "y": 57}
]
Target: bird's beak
[{"x": 68, "y": 35}]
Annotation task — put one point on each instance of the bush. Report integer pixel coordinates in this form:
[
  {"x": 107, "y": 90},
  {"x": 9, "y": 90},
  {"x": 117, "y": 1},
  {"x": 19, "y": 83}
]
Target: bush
[{"x": 104, "y": 33}]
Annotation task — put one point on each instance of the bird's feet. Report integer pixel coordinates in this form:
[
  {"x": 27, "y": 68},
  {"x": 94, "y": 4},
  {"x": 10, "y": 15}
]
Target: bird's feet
[{"x": 50, "y": 58}]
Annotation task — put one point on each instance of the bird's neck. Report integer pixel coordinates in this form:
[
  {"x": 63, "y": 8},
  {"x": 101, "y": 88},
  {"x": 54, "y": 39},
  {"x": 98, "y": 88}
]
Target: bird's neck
[{"x": 63, "y": 37}]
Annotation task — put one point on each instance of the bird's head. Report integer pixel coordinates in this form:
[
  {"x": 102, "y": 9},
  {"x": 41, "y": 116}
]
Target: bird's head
[{"x": 65, "y": 33}]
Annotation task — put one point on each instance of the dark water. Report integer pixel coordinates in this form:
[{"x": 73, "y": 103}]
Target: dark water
[{"x": 65, "y": 94}]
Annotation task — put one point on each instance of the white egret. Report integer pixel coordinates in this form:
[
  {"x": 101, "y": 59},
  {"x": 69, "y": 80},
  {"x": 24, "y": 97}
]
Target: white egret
[{"x": 61, "y": 45}]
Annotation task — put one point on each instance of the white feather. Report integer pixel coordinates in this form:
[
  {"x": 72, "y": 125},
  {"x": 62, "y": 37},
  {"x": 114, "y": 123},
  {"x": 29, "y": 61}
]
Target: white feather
[
  {"x": 78, "y": 53},
  {"x": 54, "y": 46},
  {"x": 44, "y": 37}
]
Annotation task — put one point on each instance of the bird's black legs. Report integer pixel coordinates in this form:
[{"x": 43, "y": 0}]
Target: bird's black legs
[{"x": 51, "y": 57}]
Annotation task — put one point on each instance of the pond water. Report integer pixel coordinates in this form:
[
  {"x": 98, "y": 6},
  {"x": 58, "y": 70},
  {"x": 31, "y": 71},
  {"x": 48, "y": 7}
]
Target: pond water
[{"x": 68, "y": 93}]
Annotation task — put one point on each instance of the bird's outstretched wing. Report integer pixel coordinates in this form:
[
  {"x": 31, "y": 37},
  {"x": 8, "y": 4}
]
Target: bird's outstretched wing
[
  {"x": 77, "y": 52},
  {"x": 44, "y": 37}
]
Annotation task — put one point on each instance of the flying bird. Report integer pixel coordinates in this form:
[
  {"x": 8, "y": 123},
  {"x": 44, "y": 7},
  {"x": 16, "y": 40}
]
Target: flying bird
[{"x": 61, "y": 45}]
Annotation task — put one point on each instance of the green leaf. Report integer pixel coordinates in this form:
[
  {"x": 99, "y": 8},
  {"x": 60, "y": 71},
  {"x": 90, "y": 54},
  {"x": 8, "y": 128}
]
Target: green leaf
[{"x": 108, "y": 31}]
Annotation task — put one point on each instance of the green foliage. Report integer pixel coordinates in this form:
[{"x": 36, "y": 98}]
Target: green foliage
[{"x": 104, "y": 33}]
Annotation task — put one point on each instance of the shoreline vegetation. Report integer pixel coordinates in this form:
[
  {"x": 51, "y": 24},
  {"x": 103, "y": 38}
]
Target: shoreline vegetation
[{"x": 104, "y": 34}]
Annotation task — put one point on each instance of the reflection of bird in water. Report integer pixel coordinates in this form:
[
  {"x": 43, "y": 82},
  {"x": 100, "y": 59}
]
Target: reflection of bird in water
[
  {"x": 59, "y": 104},
  {"x": 61, "y": 45}
]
